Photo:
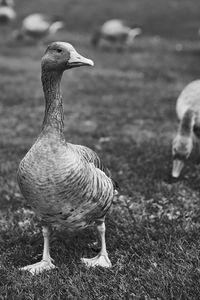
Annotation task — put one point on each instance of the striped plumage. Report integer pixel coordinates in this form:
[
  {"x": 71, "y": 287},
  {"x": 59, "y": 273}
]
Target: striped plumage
[
  {"x": 188, "y": 112},
  {"x": 116, "y": 32},
  {"x": 62, "y": 186},
  {"x": 65, "y": 184}
]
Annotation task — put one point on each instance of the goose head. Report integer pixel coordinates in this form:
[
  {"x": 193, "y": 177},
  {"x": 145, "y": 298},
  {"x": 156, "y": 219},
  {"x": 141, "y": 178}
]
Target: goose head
[
  {"x": 133, "y": 32},
  {"x": 61, "y": 56},
  {"x": 55, "y": 26},
  {"x": 181, "y": 149}
]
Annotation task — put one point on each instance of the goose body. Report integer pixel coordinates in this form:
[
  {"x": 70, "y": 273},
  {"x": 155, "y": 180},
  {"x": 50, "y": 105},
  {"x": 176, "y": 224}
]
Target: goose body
[
  {"x": 37, "y": 26},
  {"x": 7, "y": 13},
  {"x": 116, "y": 32},
  {"x": 65, "y": 184},
  {"x": 188, "y": 113},
  {"x": 62, "y": 186}
]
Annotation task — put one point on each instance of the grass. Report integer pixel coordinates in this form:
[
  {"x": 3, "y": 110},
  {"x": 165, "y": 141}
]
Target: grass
[{"x": 123, "y": 109}]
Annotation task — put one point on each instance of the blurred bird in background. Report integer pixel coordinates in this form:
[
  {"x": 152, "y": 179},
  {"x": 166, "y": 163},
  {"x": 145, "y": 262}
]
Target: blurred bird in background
[
  {"x": 38, "y": 26},
  {"x": 7, "y": 12},
  {"x": 188, "y": 112},
  {"x": 115, "y": 33}
]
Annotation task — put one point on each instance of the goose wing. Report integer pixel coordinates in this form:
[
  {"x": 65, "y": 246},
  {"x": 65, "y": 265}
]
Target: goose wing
[{"x": 91, "y": 157}]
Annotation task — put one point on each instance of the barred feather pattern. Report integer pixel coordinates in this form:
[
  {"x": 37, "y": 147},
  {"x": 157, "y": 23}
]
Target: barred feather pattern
[
  {"x": 92, "y": 157},
  {"x": 61, "y": 185}
]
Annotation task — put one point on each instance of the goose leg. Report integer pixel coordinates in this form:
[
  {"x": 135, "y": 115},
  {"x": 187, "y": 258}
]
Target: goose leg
[
  {"x": 96, "y": 244},
  {"x": 45, "y": 263},
  {"x": 102, "y": 258}
]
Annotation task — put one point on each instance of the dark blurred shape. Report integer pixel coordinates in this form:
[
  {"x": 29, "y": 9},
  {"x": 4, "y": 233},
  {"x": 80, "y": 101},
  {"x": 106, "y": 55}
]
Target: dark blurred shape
[
  {"x": 170, "y": 179},
  {"x": 7, "y": 13},
  {"x": 9, "y": 3}
]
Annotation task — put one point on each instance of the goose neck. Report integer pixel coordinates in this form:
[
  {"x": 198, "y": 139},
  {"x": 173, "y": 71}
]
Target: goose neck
[
  {"x": 54, "y": 114},
  {"x": 187, "y": 123}
]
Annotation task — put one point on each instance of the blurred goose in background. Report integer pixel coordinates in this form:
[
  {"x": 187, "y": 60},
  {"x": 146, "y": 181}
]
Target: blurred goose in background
[
  {"x": 117, "y": 33},
  {"x": 38, "y": 26},
  {"x": 188, "y": 112},
  {"x": 7, "y": 13},
  {"x": 65, "y": 184}
]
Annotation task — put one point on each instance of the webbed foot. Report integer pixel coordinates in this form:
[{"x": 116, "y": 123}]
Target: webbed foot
[
  {"x": 39, "y": 267},
  {"x": 99, "y": 260}
]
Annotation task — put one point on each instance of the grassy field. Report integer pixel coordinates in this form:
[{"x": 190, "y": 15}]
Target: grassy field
[{"x": 124, "y": 109}]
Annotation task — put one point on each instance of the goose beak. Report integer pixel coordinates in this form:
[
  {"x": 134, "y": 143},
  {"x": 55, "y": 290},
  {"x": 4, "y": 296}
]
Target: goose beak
[
  {"x": 77, "y": 60},
  {"x": 177, "y": 167}
]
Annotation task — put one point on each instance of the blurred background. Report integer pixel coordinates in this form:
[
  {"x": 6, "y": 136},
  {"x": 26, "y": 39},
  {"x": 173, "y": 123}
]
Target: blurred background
[
  {"x": 123, "y": 108},
  {"x": 169, "y": 18}
]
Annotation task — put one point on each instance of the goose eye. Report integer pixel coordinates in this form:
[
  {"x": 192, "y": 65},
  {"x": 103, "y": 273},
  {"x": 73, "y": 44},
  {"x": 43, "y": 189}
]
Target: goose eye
[{"x": 58, "y": 50}]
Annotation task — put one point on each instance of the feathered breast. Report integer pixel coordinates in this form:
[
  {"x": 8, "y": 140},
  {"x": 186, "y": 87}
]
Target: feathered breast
[{"x": 62, "y": 185}]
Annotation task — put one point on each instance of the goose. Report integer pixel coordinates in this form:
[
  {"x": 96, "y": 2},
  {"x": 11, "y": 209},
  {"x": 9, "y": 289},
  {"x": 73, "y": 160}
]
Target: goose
[
  {"x": 65, "y": 184},
  {"x": 37, "y": 26},
  {"x": 188, "y": 112},
  {"x": 7, "y": 13},
  {"x": 116, "y": 32}
]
